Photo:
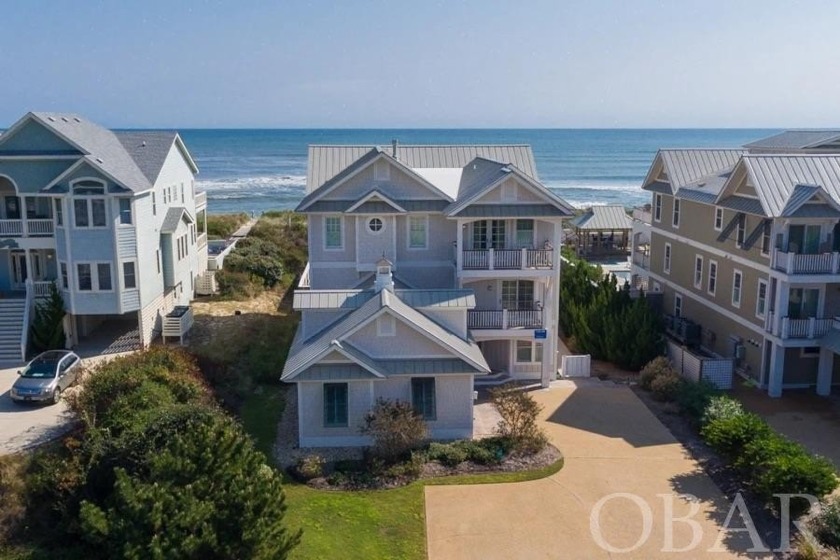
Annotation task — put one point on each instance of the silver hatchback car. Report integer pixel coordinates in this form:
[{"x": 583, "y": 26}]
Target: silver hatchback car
[{"x": 46, "y": 376}]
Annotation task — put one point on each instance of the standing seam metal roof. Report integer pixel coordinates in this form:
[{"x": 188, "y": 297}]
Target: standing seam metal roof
[
  {"x": 611, "y": 217},
  {"x": 686, "y": 166},
  {"x": 795, "y": 139},
  {"x": 775, "y": 177}
]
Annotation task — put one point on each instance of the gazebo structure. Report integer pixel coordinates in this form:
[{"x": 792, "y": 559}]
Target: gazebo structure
[{"x": 602, "y": 231}]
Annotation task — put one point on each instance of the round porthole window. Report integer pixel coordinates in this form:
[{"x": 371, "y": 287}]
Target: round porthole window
[{"x": 376, "y": 225}]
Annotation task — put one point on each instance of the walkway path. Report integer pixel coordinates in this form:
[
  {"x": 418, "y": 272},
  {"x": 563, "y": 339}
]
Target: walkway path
[
  {"x": 244, "y": 230},
  {"x": 612, "y": 444}
]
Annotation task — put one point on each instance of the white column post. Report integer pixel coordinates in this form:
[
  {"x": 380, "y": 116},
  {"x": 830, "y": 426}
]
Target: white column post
[
  {"x": 491, "y": 257},
  {"x": 504, "y": 318},
  {"x": 824, "y": 372},
  {"x": 523, "y": 263},
  {"x": 459, "y": 248},
  {"x": 782, "y": 300},
  {"x": 549, "y": 360},
  {"x": 776, "y": 371}
]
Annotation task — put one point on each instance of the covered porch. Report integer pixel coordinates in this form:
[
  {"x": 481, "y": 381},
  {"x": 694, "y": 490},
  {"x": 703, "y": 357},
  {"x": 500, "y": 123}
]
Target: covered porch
[
  {"x": 19, "y": 268},
  {"x": 24, "y": 216},
  {"x": 602, "y": 231},
  {"x": 506, "y": 245}
]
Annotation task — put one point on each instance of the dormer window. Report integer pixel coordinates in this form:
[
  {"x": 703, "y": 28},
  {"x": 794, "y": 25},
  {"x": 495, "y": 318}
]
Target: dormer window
[{"x": 89, "y": 204}]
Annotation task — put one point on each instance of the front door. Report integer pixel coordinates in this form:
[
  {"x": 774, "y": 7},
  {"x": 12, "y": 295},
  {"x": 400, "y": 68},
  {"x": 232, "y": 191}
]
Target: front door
[{"x": 19, "y": 272}]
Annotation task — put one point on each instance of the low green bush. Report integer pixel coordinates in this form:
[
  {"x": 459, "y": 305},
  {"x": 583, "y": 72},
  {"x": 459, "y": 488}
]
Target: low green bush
[
  {"x": 655, "y": 368},
  {"x": 665, "y": 386},
  {"x": 826, "y": 524},
  {"x": 310, "y": 466},
  {"x": 237, "y": 285},
  {"x": 720, "y": 407},
  {"x": 729, "y": 435},
  {"x": 221, "y": 226},
  {"x": 519, "y": 412},
  {"x": 396, "y": 430},
  {"x": 694, "y": 398},
  {"x": 448, "y": 454}
]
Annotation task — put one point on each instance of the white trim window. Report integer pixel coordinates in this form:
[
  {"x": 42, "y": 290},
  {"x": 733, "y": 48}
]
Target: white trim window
[
  {"x": 737, "y": 287},
  {"x": 376, "y": 225},
  {"x": 58, "y": 212},
  {"x": 678, "y": 305},
  {"x": 718, "y": 218},
  {"x": 65, "y": 279},
  {"x": 525, "y": 234},
  {"x": 657, "y": 207},
  {"x": 675, "y": 221},
  {"x": 698, "y": 272},
  {"x": 418, "y": 232},
  {"x": 129, "y": 275},
  {"x": 741, "y": 234},
  {"x": 333, "y": 233},
  {"x": 765, "y": 240},
  {"x": 761, "y": 299},
  {"x": 528, "y": 352},
  {"x": 711, "y": 286},
  {"x": 94, "y": 277},
  {"x": 666, "y": 263},
  {"x": 126, "y": 216},
  {"x": 89, "y": 208}
]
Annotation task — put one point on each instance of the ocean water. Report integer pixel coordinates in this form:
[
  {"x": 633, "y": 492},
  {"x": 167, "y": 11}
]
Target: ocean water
[{"x": 259, "y": 170}]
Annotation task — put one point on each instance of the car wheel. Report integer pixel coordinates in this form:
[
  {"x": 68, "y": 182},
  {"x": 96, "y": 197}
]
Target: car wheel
[{"x": 56, "y": 395}]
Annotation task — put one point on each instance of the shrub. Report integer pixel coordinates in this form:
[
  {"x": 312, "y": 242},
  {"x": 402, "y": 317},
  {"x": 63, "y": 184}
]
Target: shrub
[
  {"x": 664, "y": 388},
  {"x": 519, "y": 412},
  {"x": 310, "y": 466},
  {"x": 396, "y": 429},
  {"x": 826, "y": 524},
  {"x": 448, "y": 454},
  {"x": 236, "y": 285},
  {"x": 730, "y": 435},
  {"x": 410, "y": 468},
  {"x": 693, "y": 398},
  {"x": 721, "y": 407},
  {"x": 223, "y": 225},
  {"x": 655, "y": 368}
]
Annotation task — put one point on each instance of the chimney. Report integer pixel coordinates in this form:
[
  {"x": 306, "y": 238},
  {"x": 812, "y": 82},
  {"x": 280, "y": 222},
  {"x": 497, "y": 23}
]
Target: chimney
[
  {"x": 394, "y": 145},
  {"x": 384, "y": 278}
]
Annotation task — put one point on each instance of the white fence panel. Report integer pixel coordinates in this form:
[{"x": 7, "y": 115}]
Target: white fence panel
[{"x": 575, "y": 366}]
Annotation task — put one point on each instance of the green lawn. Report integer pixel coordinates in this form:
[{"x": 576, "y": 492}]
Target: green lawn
[{"x": 260, "y": 413}]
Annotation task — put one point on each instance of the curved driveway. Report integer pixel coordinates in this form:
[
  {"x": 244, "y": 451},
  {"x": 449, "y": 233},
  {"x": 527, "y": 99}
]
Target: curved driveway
[{"x": 612, "y": 444}]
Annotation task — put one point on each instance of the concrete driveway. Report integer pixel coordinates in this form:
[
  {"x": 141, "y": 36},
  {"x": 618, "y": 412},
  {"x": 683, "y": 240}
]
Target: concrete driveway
[
  {"x": 612, "y": 444},
  {"x": 25, "y": 425}
]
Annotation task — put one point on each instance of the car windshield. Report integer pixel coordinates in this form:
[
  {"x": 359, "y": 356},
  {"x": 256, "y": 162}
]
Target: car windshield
[{"x": 39, "y": 370}]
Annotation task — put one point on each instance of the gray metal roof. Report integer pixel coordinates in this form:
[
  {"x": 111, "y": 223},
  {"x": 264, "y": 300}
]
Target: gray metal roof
[
  {"x": 353, "y": 299},
  {"x": 173, "y": 218},
  {"x": 305, "y": 352},
  {"x": 686, "y": 166},
  {"x": 334, "y": 372},
  {"x": 510, "y": 211},
  {"x": 375, "y": 207},
  {"x": 796, "y": 140},
  {"x": 326, "y": 162},
  {"x": 612, "y": 217},
  {"x": 427, "y": 367},
  {"x": 659, "y": 186},
  {"x": 335, "y": 206},
  {"x": 815, "y": 211},
  {"x": 742, "y": 204},
  {"x": 696, "y": 196},
  {"x": 775, "y": 177}
]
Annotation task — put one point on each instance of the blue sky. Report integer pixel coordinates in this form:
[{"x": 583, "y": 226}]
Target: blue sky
[{"x": 593, "y": 63}]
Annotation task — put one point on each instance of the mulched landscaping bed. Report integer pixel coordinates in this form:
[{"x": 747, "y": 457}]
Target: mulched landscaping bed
[{"x": 724, "y": 476}]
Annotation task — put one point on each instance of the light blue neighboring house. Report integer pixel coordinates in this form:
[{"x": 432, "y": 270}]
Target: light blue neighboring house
[
  {"x": 111, "y": 217},
  {"x": 429, "y": 267}
]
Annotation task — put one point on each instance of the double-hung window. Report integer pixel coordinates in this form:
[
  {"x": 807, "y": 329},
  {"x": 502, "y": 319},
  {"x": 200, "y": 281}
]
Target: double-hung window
[
  {"x": 737, "y": 285},
  {"x": 103, "y": 277},
  {"x": 518, "y": 295},
  {"x": 666, "y": 263},
  {"x": 742, "y": 230},
  {"x": 65, "y": 281},
  {"x": 678, "y": 305},
  {"x": 479, "y": 231},
  {"x": 423, "y": 397},
  {"x": 59, "y": 213},
  {"x": 712, "y": 285},
  {"x": 89, "y": 204},
  {"x": 83, "y": 275},
  {"x": 528, "y": 351},
  {"x": 525, "y": 234},
  {"x": 332, "y": 233},
  {"x": 761, "y": 299},
  {"x": 335, "y": 405},
  {"x": 418, "y": 232},
  {"x": 129, "y": 275},
  {"x": 125, "y": 211},
  {"x": 765, "y": 239},
  {"x": 698, "y": 271},
  {"x": 676, "y": 219},
  {"x": 497, "y": 234},
  {"x": 718, "y": 219},
  {"x": 657, "y": 207}
]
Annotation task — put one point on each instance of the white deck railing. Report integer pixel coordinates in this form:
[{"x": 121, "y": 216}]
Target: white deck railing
[
  {"x": 200, "y": 200},
  {"x": 640, "y": 259},
  {"x": 812, "y": 327},
  {"x": 507, "y": 259},
  {"x": 27, "y": 313},
  {"x": 40, "y": 227},
  {"x": 41, "y": 288},
  {"x": 201, "y": 240},
  {"x": 799, "y": 263},
  {"x": 505, "y": 319}
]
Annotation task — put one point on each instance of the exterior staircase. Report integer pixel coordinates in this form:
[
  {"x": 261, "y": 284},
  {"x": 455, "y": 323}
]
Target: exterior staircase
[{"x": 11, "y": 327}]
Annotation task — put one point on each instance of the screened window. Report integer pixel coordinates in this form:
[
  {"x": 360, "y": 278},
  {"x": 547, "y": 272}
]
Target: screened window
[
  {"x": 423, "y": 397},
  {"x": 103, "y": 275},
  {"x": 518, "y": 294},
  {"x": 525, "y": 233},
  {"x": 59, "y": 212},
  {"x": 125, "y": 211},
  {"x": 85, "y": 279},
  {"x": 417, "y": 232},
  {"x": 698, "y": 271},
  {"x": 528, "y": 351},
  {"x": 761, "y": 299},
  {"x": 332, "y": 232},
  {"x": 335, "y": 404},
  {"x": 712, "y": 285},
  {"x": 129, "y": 276},
  {"x": 497, "y": 234},
  {"x": 737, "y": 281}
]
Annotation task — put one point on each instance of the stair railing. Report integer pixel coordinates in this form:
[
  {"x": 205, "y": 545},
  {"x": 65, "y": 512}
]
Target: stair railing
[{"x": 27, "y": 313}]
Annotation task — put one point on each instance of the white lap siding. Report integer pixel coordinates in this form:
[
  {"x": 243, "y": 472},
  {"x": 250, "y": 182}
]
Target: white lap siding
[{"x": 150, "y": 316}]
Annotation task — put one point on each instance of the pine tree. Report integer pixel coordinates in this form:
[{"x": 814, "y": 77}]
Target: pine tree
[{"x": 47, "y": 331}]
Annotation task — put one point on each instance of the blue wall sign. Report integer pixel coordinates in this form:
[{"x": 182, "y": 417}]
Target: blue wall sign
[{"x": 540, "y": 334}]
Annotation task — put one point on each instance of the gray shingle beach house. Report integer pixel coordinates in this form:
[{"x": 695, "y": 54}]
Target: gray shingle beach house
[
  {"x": 110, "y": 217},
  {"x": 430, "y": 267}
]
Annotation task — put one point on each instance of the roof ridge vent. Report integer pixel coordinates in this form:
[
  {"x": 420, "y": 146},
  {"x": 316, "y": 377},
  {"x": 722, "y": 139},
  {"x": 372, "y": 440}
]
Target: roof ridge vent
[
  {"x": 143, "y": 144},
  {"x": 51, "y": 119},
  {"x": 99, "y": 160},
  {"x": 77, "y": 119},
  {"x": 65, "y": 119}
]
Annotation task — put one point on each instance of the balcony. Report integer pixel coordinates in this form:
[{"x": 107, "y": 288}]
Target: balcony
[
  {"x": 39, "y": 227},
  {"x": 508, "y": 259},
  {"x": 200, "y": 200},
  {"x": 800, "y": 263},
  {"x": 641, "y": 259},
  {"x": 504, "y": 319},
  {"x": 807, "y": 328}
]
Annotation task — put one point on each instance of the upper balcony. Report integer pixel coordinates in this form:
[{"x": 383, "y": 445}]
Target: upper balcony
[
  {"x": 200, "y": 200},
  {"x": 508, "y": 247},
  {"x": 504, "y": 319},
  {"x": 507, "y": 259},
  {"x": 810, "y": 328},
  {"x": 36, "y": 227},
  {"x": 801, "y": 263}
]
